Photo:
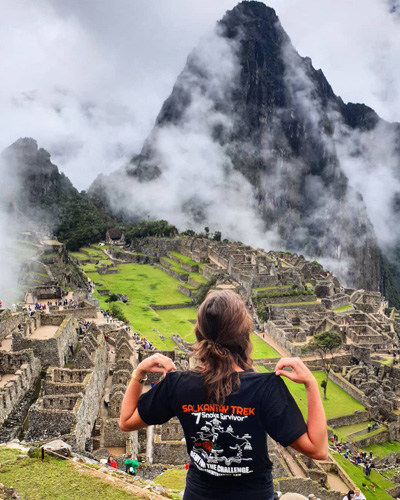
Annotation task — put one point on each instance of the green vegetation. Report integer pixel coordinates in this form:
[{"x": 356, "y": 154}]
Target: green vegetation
[
  {"x": 178, "y": 321},
  {"x": 283, "y": 293},
  {"x": 184, "y": 258},
  {"x": 151, "y": 228},
  {"x": 357, "y": 475},
  {"x": 346, "y": 307},
  {"x": 144, "y": 285},
  {"x": 262, "y": 350},
  {"x": 175, "y": 266},
  {"x": 337, "y": 404},
  {"x": 325, "y": 344},
  {"x": 271, "y": 288},
  {"x": 53, "y": 479},
  {"x": 174, "y": 479},
  {"x": 346, "y": 430},
  {"x": 372, "y": 433}
]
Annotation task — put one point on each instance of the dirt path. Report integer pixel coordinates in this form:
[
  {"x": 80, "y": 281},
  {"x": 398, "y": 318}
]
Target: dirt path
[
  {"x": 336, "y": 483},
  {"x": 294, "y": 466}
]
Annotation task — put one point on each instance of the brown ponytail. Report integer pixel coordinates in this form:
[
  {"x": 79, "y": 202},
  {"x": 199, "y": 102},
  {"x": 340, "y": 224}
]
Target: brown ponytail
[{"x": 222, "y": 330}]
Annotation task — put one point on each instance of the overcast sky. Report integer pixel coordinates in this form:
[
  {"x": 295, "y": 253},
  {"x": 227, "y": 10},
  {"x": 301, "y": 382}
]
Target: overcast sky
[{"x": 87, "y": 78}]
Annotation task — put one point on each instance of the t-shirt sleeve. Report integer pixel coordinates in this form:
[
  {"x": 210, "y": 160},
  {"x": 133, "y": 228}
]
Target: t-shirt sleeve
[
  {"x": 155, "y": 406},
  {"x": 281, "y": 416}
]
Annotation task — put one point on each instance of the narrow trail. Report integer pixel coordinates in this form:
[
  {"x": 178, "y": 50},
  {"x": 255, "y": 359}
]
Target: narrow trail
[{"x": 293, "y": 465}]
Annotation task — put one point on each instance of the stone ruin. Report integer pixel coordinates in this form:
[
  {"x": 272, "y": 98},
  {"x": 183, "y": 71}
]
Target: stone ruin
[
  {"x": 19, "y": 374},
  {"x": 53, "y": 339},
  {"x": 69, "y": 399}
]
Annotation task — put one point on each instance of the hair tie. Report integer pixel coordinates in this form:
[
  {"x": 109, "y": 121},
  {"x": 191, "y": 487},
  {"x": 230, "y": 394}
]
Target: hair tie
[{"x": 219, "y": 350}]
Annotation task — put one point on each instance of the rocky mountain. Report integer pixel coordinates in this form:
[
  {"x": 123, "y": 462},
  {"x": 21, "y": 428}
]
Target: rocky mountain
[
  {"x": 38, "y": 194},
  {"x": 271, "y": 122}
]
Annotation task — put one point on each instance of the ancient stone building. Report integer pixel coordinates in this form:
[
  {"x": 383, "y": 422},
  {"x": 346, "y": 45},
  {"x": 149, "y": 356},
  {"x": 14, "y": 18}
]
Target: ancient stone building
[
  {"x": 52, "y": 338},
  {"x": 70, "y": 397}
]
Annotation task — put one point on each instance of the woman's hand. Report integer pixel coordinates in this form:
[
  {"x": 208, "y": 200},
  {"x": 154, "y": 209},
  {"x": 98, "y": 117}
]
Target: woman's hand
[
  {"x": 299, "y": 374},
  {"x": 157, "y": 363}
]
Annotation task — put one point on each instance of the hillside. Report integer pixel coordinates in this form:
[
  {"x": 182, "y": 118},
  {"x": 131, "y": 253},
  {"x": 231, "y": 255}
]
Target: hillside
[
  {"x": 41, "y": 197},
  {"x": 266, "y": 127}
]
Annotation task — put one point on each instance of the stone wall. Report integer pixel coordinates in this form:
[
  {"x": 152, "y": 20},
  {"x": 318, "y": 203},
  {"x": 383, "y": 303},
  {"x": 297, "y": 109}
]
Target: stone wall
[
  {"x": 54, "y": 351},
  {"x": 171, "y": 272},
  {"x": 88, "y": 312},
  {"x": 113, "y": 436},
  {"x": 348, "y": 387},
  {"x": 71, "y": 412},
  {"x": 355, "y": 418},
  {"x": 26, "y": 367},
  {"x": 186, "y": 291},
  {"x": 169, "y": 452},
  {"x": 380, "y": 437},
  {"x": 305, "y": 487},
  {"x": 171, "y": 306},
  {"x": 338, "y": 300},
  {"x": 10, "y": 321}
]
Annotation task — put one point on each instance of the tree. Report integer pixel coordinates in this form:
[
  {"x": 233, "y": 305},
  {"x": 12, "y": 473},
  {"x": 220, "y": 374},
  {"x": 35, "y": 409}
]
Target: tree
[{"x": 325, "y": 344}]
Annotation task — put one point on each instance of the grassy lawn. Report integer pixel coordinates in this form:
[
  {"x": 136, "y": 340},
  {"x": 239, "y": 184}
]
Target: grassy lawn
[
  {"x": 144, "y": 285},
  {"x": 184, "y": 258},
  {"x": 356, "y": 474},
  {"x": 80, "y": 256},
  {"x": 266, "y": 288},
  {"x": 196, "y": 276},
  {"x": 383, "y": 449},
  {"x": 346, "y": 307},
  {"x": 385, "y": 361},
  {"x": 178, "y": 321},
  {"x": 349, "y": 429},
  {"x": 339, "y": 403},
  {"x": 262, "y": 350},
  {"x": 53, "y": 479},
  {"x": 175, "y": 479},
  {"x": 372, "y": 433}
]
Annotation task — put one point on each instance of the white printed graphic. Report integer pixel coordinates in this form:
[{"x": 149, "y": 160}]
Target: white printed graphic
[{"x": 216, "y": 448}]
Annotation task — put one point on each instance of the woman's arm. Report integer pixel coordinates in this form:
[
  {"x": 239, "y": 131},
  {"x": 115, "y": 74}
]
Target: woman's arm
[
  {"x": 314, "y": 442},
  {"x": 130, "y": 419}
]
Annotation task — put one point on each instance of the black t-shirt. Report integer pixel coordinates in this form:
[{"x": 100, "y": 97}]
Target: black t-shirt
[{"x": 227, "y": 443}]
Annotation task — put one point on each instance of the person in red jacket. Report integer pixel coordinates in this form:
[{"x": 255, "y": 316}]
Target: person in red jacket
[{"x": 111, "y": 462}]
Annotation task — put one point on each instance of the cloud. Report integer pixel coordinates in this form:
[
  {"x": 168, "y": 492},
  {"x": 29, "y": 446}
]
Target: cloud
[{"x": 88, "y": 80}]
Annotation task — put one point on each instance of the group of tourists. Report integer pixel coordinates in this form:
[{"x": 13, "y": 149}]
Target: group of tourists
[
  {"x": 143, "y": 342},
  {"x": 130, "y": 464},
  {"x": 107, "y": 316}
]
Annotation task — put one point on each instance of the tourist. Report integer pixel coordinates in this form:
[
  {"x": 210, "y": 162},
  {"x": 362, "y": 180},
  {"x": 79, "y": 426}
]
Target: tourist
[
  {"x": 111, "y": 462},
  {"x": 358, "y": 495},
  {"x": 349, "y": 496},
  {"x": 226, "y": 408},
  {"x": 131, "y": 465}
]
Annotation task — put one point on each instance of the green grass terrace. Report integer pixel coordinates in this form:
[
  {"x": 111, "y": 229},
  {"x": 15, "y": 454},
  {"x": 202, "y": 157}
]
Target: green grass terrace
[
  {"x": 337, "y": 404},
  {"x": 53, "y": 479},
  {"x": 357, "y": 475}
]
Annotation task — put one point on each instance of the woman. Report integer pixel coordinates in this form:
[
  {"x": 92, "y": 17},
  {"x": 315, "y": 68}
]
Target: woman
[
  {"x": 111, "y": 462},
  {"x": 226, "y": 408},
  {"x": 349, "y": 495}
]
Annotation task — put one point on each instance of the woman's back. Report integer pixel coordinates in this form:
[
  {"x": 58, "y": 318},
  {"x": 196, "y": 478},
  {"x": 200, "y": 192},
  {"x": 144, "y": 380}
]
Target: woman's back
[{"x": 227, "y": 442}]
